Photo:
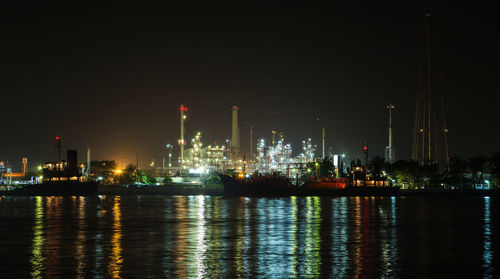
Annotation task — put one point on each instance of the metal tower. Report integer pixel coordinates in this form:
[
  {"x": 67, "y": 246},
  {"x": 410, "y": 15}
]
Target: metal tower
[
  {"x": 389, "y": 150},
  {"x": 182, "y": 142},
  {"x": 429, "y": 139}
]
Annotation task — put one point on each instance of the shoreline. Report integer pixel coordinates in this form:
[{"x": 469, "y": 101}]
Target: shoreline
[{"x": 188, "y": 190}]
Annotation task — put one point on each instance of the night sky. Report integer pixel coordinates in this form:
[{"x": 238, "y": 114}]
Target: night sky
[{"x": 113, "y": 77}]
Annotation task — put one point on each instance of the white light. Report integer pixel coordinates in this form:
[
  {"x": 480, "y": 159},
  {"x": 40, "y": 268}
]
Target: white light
[{"x": 198, "y": 170}]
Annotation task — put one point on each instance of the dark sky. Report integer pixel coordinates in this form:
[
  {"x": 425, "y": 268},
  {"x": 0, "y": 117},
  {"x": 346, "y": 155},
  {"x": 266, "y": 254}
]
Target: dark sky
[{"x": 113, "y": 77}]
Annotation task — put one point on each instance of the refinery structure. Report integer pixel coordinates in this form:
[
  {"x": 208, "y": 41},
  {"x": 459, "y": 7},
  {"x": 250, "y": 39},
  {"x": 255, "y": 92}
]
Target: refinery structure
[{"x": 271, "y": 157}]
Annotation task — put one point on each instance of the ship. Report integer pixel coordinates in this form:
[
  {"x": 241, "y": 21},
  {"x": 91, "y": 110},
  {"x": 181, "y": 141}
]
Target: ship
[
  {"x": 259, "y": 185},
  {"x": 276, "y": 185},
  {"x": 61, "y": 178}
]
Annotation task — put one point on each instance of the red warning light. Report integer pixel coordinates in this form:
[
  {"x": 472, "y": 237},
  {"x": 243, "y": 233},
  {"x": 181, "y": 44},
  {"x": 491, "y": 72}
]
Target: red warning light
[
  {"x": 58, "y": 138},
  {"x": 185, "y": 109},
  {"x": 365, "y": 148}
]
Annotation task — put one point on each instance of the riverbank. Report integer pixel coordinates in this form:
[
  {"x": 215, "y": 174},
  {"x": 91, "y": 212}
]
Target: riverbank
[
  {"x": 168, "y": 190},
  {"x": 188, "y": 190}
]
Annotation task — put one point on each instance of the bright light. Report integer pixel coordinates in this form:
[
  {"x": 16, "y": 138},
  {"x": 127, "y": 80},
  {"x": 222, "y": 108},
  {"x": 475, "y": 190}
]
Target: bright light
[
  {"x": 118, "y": 171},
  {"x": 198, "y": 170}
]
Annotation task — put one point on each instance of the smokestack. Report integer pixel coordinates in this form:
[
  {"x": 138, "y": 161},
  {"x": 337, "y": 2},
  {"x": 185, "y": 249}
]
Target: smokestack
[
  {"x": 251, "y": 142},
  {"x": 323, "y": 143},
  {"x": 25, "y": 166},
  {"x": 235, "y": 137},
  {"x": 88, "y": 161}
]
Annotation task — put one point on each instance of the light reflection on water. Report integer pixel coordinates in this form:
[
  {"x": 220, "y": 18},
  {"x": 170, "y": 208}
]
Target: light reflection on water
[
  {"x": 115, "y": 259},
  {"x": 340, "y": 237},
  {"x": 216, "y": 237},
  {"x": 488, "y": 253},
  {"x": 38, "y": 239}
]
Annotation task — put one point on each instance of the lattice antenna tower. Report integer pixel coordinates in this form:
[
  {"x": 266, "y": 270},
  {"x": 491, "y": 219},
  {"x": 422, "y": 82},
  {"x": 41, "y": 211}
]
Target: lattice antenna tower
[{"x": 430, "y": 134}]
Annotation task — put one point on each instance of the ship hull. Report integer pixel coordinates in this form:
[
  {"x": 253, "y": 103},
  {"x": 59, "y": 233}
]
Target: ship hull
[
  {"x": 260, "y": 187},
  {"x": 268, "y": 187}
]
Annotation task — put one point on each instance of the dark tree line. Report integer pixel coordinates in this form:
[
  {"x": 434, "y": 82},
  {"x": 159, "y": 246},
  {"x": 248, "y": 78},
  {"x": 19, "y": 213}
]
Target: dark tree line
[{"x": 462, "y": 174}]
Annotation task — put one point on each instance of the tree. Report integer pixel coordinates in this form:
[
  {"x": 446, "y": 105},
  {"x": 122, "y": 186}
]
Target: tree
[
  {"x": 457, "y": 170},
  {"x": 128, "y": 175},
  {"x": 430, "y": 175},
  {"x": 167, "y": 179},
  {"x": 494, "y": 168},
  {"x": 406, "y": 173},
  {"x": 477, "y": 165},
  {"x": 377, "y": 164}
]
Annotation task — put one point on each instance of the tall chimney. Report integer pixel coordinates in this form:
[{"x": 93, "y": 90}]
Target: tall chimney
[
  {"x": 235, "y": 137},
  {"x": 25, "y": 165},
  {"x": 323, "y": 148},
  {"x": 251, "y": 141},
  {"x": 88, "y": 161}
]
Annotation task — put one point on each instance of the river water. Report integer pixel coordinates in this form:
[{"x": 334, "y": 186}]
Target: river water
[{"x": 217, "y": 237}]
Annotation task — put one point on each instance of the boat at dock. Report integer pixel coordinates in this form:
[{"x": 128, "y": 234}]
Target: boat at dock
[
  {"x": 60, "y": 178},
  {"x": 268, "y": 185},
  {"x": 275, "y": 185}
]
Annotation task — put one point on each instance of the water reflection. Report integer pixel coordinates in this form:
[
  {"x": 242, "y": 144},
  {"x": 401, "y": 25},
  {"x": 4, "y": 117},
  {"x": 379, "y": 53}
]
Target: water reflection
[
  {"x": 80, "y": 239},
  {"x": 487, "y": 252},
  {"x": 38, "y": 240},
  {"x": 312, "y": 241},
  {"x": 197, "y": 268},
  {"x": 115, "y": 259},
  {"x": 216, "y": 237},
  {"x": 340, "y": 237},
  {"x": 293, "y": 238},
  {"x": 388, "y": 238}
]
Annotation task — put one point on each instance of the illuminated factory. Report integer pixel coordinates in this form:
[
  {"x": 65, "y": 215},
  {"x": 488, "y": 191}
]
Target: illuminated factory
[
  {"x": 273, "y": 158},
  {"x": 199, "y": 158}
]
